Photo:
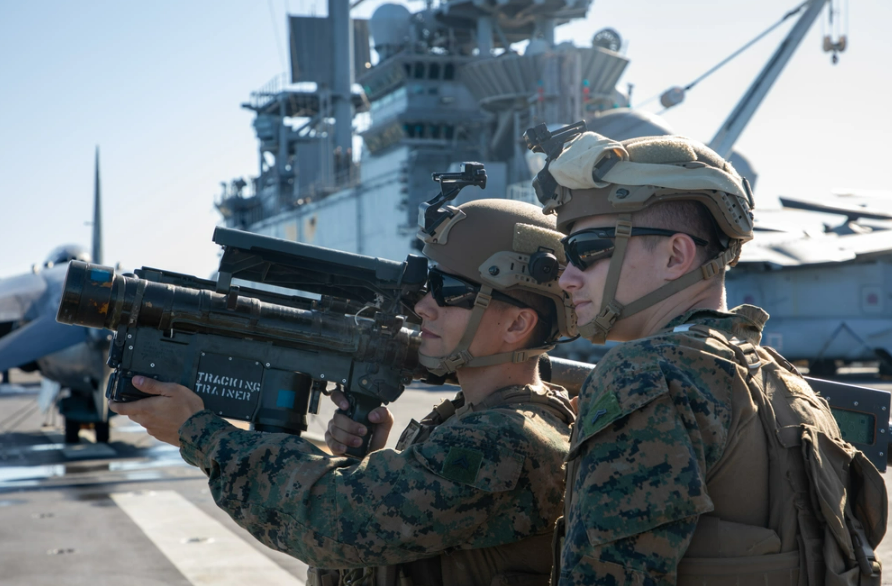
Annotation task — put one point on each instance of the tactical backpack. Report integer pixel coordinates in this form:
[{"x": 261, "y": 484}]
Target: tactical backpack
[{"x": 828, "y": 501}]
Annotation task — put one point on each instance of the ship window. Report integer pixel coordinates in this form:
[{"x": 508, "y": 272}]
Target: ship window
[
  {"x": 419, "y": 131},
  {"x": 409, "y": 130},
  {"x": 435, "y": 131},
  {"x": 433, "y": 90},
  {"x": 434, "y": 71},
  {"x": 408, "y": 69},
  {"x": 449, "y": 131},
  {"x": 419, "y": 70},
  {"x": 449, "y": 71}
]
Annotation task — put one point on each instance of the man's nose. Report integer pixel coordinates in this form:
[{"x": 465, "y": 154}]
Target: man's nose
[
  {"x": 426, "y": 308},
  {"x": 571, "y": 278}
]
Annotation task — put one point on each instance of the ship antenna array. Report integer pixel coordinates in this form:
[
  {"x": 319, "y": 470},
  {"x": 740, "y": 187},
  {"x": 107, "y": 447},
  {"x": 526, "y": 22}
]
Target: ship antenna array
[{"x": 675, "y": 95}]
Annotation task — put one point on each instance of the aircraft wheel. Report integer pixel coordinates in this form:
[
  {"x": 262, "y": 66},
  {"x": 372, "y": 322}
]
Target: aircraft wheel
[
  {"x": 72, "y": 429},
  {"x": 102, "y": 432}
]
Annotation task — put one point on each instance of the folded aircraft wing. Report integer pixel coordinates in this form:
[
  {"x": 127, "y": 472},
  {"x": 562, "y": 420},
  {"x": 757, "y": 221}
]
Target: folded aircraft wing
[
  {"x": 852, "y": 206},
  {"x": 780, "y": 250}
]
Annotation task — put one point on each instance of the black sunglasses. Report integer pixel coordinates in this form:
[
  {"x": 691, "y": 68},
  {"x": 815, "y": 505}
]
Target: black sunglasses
[
  {"x": 451, "y": 291},
  {"x": 586, "y": 247}
]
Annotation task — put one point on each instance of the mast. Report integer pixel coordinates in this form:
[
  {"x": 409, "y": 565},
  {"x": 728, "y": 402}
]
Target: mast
[
  {"x": 730, "y": 130},
  {"x": 97, "y": 216},
  {"x": 342, "y": 78}
]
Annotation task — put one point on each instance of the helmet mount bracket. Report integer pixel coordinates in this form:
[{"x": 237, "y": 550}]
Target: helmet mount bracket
[{"x": 431, "y": 213}]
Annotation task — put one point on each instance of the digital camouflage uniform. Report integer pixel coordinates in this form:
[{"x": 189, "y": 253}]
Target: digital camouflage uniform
[
  {"x": 654, "y": 418},
  {"x": 670, "y": 476},
  {"x": 489, "y": 476}
]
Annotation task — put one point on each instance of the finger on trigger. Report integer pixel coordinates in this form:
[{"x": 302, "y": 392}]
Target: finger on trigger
[
  {"x": 340, "y": 399},
  {"x": 378, "y": 415}
]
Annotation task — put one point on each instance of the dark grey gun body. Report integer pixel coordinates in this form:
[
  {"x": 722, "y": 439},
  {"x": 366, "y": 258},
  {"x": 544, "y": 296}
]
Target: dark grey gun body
[{"x": 251, "y": 354}]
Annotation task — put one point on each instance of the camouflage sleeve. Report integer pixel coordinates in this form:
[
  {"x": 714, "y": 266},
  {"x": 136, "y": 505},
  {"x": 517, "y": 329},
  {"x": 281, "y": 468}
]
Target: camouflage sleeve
[
  {"x": 640, "y": 481},
  {"x": 463, "y": 487}
]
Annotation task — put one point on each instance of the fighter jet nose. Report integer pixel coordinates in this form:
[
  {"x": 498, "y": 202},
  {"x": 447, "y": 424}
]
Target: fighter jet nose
[{"x": 65, "y": 253}]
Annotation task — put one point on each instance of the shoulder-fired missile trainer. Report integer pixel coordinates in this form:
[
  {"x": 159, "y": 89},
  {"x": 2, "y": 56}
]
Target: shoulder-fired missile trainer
[{"x": 254, "y": 354}]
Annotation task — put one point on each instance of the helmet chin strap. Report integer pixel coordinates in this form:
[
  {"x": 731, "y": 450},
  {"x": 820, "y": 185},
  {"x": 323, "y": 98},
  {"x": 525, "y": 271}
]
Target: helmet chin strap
[
  {"x": 612, "y": 310},
  {"x": 461, "y": 357}
]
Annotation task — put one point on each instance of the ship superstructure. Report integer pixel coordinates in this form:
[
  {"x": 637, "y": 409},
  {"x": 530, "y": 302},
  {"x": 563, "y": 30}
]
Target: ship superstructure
[
  {"x": 347, "y": 147},
  {"x": 447, "y": 87}
]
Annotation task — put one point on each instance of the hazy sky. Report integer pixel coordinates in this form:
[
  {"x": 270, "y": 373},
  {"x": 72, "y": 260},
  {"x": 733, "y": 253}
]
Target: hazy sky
[{"x": 158, "y": 86}]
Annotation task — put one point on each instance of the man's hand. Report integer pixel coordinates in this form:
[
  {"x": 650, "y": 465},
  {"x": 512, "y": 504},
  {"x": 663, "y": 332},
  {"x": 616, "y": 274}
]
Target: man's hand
[
  {"x": 343, "y": 431},
  {"x": 162, "y": 416}
]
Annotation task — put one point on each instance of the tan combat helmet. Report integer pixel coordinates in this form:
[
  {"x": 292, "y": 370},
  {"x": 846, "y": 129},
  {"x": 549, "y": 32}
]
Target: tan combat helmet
[
  {"x": 506, "y": 246},
  {"x": 597, "y": 175}
]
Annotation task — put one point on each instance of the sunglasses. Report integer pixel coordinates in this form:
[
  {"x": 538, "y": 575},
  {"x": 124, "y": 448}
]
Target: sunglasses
[
  {"x": 451, "y": 291},
  {"x": 586, "y": 247}
]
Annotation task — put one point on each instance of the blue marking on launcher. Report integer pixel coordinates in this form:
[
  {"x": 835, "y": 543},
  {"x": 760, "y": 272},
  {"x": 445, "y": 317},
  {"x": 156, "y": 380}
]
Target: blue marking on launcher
[
  {"x": 286, "y": 399},
  {"x": 99, "y": 276}
]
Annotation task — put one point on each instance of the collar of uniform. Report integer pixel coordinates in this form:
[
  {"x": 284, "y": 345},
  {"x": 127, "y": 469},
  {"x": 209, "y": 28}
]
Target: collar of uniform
[
  {"x": 744, "y": 321},
  {"x": 488, "y": 402}
]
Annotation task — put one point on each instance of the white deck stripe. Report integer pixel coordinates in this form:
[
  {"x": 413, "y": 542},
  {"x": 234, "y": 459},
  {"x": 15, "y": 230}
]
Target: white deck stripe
[{"x": 214, "y": 556}]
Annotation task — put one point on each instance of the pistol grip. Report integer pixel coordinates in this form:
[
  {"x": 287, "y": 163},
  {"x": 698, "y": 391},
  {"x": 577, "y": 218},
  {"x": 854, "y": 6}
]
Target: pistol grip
[{"x": 360, "y": 407}]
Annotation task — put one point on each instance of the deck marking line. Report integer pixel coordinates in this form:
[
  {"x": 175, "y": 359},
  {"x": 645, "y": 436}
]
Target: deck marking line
[{"x": 201, "y": 548}]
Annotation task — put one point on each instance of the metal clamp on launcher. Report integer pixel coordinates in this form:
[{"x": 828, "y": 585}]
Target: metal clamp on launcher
[{"x": 252, "y": 353}]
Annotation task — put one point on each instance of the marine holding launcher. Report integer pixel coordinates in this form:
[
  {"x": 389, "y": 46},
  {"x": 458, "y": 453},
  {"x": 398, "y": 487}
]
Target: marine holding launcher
[{"x": 472, "y": 491}]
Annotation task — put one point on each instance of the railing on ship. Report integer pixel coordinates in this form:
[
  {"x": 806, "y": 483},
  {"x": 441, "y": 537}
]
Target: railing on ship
[
  {"x": 269, "y": 91},
  {"x": 345, "y": 177},
  {"x": 241, "y": 206}
]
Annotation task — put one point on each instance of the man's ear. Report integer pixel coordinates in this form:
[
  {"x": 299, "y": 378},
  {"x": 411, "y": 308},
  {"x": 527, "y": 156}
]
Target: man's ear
[
  {"x": 682, "y": 256},
  {"x": 523, "y": 324}
]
